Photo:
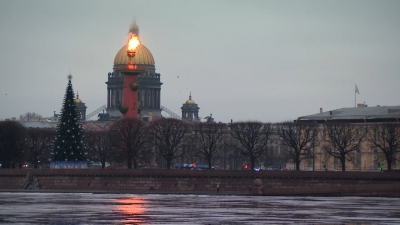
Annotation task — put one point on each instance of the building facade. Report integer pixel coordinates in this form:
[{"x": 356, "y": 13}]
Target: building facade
[
  {"x": 80, "y": 107},
  {"x": 363, "y": 120},
  {"x": 190, "y": 110}
]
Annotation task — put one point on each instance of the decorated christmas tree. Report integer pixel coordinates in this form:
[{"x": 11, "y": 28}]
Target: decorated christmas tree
[{"x": 68, "y": 144}]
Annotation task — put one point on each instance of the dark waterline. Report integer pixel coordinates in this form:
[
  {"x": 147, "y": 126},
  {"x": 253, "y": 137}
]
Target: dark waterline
[{"x": 86, "y": 208}]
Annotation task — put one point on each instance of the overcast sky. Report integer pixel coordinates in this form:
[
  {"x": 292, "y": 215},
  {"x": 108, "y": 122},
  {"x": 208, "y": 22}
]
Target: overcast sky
[{"x": 243, "y": 60}]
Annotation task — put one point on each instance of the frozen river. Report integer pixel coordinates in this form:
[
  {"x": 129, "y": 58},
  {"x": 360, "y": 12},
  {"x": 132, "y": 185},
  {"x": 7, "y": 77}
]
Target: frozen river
[{"x": 86, "y": 208}]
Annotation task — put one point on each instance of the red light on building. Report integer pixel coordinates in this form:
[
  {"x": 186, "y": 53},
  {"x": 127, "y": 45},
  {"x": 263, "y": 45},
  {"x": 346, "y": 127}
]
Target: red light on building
[{"x": 245, "y": 166}]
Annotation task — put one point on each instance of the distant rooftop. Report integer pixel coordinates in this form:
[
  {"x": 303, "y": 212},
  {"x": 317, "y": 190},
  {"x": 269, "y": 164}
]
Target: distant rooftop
[
  {"x": 38, "y": 124},
  {"x": 360, "y": 113}
]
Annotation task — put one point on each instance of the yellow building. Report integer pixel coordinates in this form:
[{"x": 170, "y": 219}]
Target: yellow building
[{"x": 362, "y": 119}]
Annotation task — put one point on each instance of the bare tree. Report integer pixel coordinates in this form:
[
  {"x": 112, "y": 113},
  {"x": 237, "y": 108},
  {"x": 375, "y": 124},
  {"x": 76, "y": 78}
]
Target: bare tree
[
  {"x": 342, "y": 139},
  {"x": 12, "y": 143},
  {"x": 30, "y": 116},
  {"x": 98, "y": 146},
  {"x": 40, "y": 145},
  {"x": 167, "y": 134},
  {"x": 129, "y": 137},
  {"x": 300, "y": 138},
  {"x": 209, "y": 139},
  {"x": 252, "y": 138},
  {"x": 385, "y": 137}
]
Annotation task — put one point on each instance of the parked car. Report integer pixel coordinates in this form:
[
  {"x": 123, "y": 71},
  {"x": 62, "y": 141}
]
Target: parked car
[{"x": 274, "y": 168}]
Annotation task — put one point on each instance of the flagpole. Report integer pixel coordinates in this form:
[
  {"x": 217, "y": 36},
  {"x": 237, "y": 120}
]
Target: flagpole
[{"x": 355, "y": 95}]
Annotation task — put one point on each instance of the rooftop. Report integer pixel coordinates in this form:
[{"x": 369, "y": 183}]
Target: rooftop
[{"x": 378, "y": 113}]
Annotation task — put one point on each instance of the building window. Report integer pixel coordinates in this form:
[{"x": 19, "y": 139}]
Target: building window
[
  {"x": 309, "y": 162},
  {"x": 375, "y": 158},
  {"x": 394, "y": 159},
  {"x": 324, "y": 135},
  {"x": 336, "y": 162},
  {"x": 365, "y": 134},
  {"x": 358, "y": 157},
  {"x": 374, "y": 134},
  {"x": 315, "y": 135}
]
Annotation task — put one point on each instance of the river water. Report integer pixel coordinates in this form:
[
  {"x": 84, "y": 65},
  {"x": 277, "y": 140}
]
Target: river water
[{"x": 87, "y": 208}]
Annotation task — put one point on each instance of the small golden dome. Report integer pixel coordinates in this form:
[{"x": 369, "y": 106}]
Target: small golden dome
[
  {"x": 190, "y": 101},
  {"x": 77, "y": 100},
  {"x": 142, "y": 57}
]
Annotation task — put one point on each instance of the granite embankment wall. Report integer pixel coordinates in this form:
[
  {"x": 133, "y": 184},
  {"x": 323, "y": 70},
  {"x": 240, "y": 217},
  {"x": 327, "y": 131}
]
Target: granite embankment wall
[{"x": 204, "y": 181}]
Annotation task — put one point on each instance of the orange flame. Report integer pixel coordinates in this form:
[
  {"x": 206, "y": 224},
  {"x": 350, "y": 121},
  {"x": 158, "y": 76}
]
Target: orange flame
[{"x": 133, "y": 42}]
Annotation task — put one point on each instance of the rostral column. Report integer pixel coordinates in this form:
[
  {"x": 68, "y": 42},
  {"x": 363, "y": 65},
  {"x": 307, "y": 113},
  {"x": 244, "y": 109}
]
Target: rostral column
[{"x": 130, "y": 107}]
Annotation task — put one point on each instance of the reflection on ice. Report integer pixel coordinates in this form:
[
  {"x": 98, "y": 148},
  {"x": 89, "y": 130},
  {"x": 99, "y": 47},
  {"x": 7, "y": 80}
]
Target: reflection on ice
[
  {"x": 132, "y": 207},
  {"x": 84, "y": 208}
]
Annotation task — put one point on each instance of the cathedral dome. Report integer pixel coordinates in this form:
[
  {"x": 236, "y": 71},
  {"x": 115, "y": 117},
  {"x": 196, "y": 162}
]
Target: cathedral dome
[
  {"x": 190, "y": 101},
  {"x": 142, "y": 57},
  {"x": 77, "y": 100}
]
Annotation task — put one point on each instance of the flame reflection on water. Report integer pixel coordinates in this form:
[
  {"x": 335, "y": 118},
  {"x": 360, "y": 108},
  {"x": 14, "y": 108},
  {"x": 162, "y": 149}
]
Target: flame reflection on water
[{"x": 133, "y": 208}]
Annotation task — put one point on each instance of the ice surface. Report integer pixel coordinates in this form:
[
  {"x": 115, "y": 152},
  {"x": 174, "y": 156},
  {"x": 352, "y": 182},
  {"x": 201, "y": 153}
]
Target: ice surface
[{"x": 86, "y": 208}]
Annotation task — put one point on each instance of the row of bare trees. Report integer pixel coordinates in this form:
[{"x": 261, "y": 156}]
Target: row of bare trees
[
  {"x": 19, "y": 145},
  {"x": 134, "y": 143},
  {"x": 339, "y": 140}
]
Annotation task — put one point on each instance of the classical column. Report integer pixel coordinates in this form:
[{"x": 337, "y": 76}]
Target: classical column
[
  {"x": 159, "y": 98},
  {"x": 148, "y": 99},
  {"x": 115, "y": 97},
  {"x": 154, "y": 98},
  {"x": 142, "y": 96},
  {"x": 151, "y": 98},
  {"x": 108, "y": 97},
  {"x": 112, "y": 97},
  {"x": 145, "y": 98}
]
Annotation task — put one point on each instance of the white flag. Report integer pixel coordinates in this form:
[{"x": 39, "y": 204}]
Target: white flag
[{"x": 357, "y": 91}]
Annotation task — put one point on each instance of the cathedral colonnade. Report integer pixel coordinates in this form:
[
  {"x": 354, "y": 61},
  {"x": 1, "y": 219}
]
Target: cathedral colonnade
[{"x": 150, "y": 98}]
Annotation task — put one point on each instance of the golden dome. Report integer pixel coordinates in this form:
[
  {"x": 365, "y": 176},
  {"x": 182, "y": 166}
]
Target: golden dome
[
  {"x": 142, "y": 57},
  {"x": 190, "y": 101},
  {"x": 77, "y": 100}
]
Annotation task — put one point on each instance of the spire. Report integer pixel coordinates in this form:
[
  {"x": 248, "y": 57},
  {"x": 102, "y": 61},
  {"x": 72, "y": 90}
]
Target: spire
[
  {"x": 134, "y": 29},
  {"x": 77, "y": 100},
  {"x": 190, "y": 101}
]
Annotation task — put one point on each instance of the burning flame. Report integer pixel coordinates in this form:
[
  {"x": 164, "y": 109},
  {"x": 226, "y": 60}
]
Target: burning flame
[{"x": 133, "y": 42}]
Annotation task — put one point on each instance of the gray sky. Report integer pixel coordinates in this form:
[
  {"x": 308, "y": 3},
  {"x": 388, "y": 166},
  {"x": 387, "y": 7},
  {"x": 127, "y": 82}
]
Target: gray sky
[{"x": 243, "y": 60}]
